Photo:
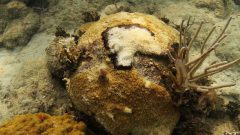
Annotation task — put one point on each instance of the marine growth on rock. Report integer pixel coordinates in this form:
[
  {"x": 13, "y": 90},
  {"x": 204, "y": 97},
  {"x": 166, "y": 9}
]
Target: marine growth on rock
[
  {"x": 116, "y": 80},
  {"x": 131, "y": 73}
]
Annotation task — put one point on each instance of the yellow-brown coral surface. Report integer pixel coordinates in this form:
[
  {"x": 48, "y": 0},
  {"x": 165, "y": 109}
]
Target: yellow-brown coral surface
[
  {"x": 44, "y": 124},
  {"x": 163, "y": 33},
  {"x": 124, "y": 100}
]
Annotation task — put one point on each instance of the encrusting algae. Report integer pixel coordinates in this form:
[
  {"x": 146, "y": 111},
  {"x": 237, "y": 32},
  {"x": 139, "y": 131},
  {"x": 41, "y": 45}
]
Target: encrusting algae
[{"x": 44, "y": 124}]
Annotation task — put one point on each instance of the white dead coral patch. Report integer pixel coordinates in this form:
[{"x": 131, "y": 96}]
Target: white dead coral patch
[{"x": 126, "y": 41}]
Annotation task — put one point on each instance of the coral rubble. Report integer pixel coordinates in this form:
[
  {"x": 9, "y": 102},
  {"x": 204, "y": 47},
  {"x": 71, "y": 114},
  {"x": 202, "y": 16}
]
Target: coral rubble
[
  {"x": 63, "y": 54},
  {"x": 44, "y": 124}
]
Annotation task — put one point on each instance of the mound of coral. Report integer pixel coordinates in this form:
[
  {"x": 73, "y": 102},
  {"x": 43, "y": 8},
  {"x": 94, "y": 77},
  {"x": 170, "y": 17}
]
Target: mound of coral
[
  {"x": 44, "y": 124},
  {"x": 114, "y": 72}
]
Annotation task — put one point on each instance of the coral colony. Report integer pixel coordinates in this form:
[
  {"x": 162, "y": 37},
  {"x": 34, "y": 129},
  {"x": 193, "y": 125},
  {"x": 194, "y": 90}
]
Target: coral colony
[{"x": 104, "y": 85}]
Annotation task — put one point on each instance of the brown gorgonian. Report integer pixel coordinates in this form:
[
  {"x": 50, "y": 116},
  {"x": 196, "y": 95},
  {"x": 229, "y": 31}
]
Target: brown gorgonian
[{"x": 186, "y": 77}]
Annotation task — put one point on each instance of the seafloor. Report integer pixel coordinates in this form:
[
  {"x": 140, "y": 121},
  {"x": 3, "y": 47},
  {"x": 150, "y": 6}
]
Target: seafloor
[{"x": 26, "y": 86}]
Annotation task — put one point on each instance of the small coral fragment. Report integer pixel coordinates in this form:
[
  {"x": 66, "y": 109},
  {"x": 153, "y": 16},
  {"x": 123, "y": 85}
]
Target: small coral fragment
[{"x": 63, "y": 54}]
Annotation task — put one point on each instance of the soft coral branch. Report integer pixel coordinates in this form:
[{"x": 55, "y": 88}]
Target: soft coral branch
[{"x": 186, "y": 78}]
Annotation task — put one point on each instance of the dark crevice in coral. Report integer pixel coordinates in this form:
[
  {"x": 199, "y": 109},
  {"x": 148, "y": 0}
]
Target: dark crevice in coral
[
  {"x": 233, "y": 110},
  {"x": 91, "y": 16},
  {"x": 94, "y": 128},
  {"x": 175, "y": 48},
  {"x": 193, "y": 114},
  {"x": 61, "y": 32},
  {"x": 190, "y": 122},
  {"x": 193, "y": 125},
  {"x": 105, "y": 37},
  {"x": 161, "y": 57},
  {"x": 102, "y": 78},
  {"x": 165, "y": 19}
]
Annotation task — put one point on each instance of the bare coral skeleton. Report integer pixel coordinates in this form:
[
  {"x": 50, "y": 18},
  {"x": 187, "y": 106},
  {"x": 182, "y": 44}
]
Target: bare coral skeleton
[{"x": 186, "y": 77}]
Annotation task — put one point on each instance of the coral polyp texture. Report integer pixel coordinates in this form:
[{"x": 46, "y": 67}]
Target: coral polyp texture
[
  {"x": 118, "y": 77},
  {"x": 43, "y": 124}
]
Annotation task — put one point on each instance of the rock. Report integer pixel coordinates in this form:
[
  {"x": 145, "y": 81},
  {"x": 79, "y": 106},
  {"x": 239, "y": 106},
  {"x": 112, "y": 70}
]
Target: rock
[
  {"x": 114, "y": 8},
  {"x": 230, "y": 43},
  {"x": 16, "y": 9},
  {"x": 38, "y": 5},
  {"x": 42, "y": 123},
  {"x": 4, "y": 1},
  {"x": 220, "y": 126},
  {"x": 237, "y": 2},
  {"x": 209, "y": 4},
  {"x": 91, "y": 16},
  {"x": 28, "y": 2},
  {"x": 17, "y": 24},
  {"x": 222, "y": 8},
  {"x": 25, "y": 1},
  {"x": 117, "y": 82},
  {"x": 3, "y": 18},
  {"x": 20, "y": 31},
  {"x": 238, "y": 121},
  {"x": 60, "y": 60}
]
